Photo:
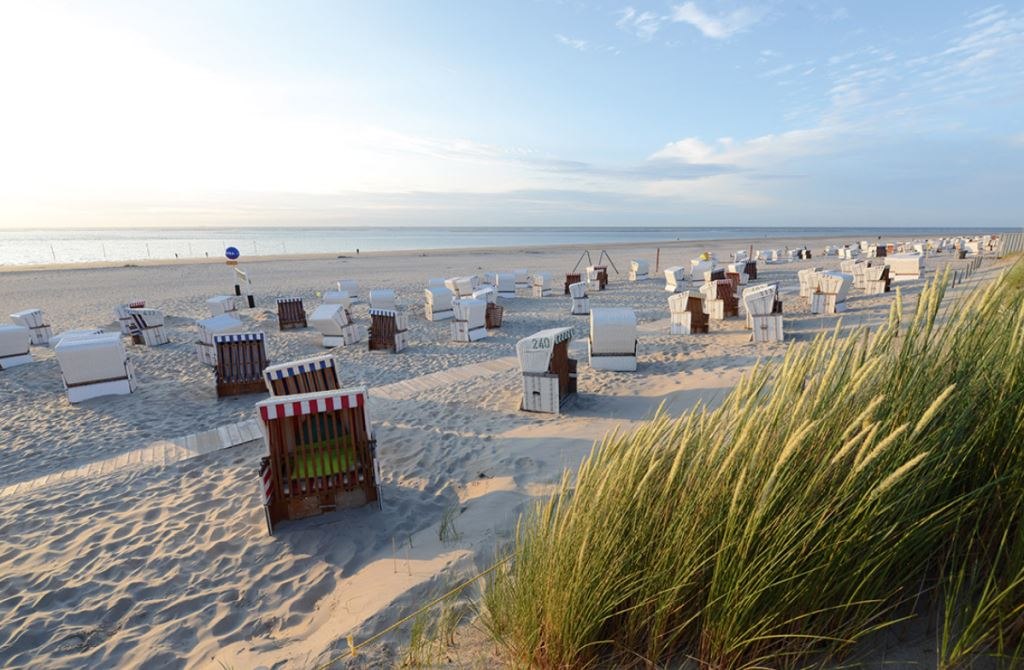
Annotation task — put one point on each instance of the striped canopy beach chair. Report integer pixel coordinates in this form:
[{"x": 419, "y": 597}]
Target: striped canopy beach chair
[
  {"x": 388, "y": 330},
  {"x": 241, "y": 359},
  {"x": 124, "y": 319},
  {"x": 206, "y": 352},
  {"x": 321, "y": 454},
  {"x": 309, "y": 375}
]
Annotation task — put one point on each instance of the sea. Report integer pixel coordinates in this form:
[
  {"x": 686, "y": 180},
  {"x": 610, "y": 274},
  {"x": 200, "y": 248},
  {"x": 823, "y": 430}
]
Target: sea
[{"x": 30, "y": 247}]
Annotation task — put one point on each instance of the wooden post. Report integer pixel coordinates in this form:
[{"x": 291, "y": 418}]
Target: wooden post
[{"x": 657, "y": 261}]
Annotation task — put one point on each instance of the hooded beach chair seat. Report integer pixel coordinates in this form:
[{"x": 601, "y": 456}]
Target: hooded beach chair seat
[
  {"x": 337, "y": 298},
  {"x": 205, "y": 350},
  {"x": 543, "y": 284},
  {"x": 92, "y": 366},
  {"x": 350, "y": 286},
  {"x": 435, "y": 282},
  {"x": 485, "y": 292},
  {"x": 309, "y": 375},
  {"x": 808, "y": 278},
  {"x": 904, "y": 267},
  {"x": 470, "y": 320},
  {"x": 686, "y": 312},
  {"x": 388, "y": 330},
  {"x": 720, "y": 300},
  {"x": 321, "y": 454},
  {"x": 33, "y": 319},
  {"x": 876, "y": 279},
  {"x": 833, "y": 288},
  {"x": 580, "y": 300},
  {"x": 382, "y": 298},
  {"x": 124, "y": 319},
  {"x": 675, "y": 278},
  {"x": 570, "y": 279},
  {"x": 437, "y": 304},
  {"x": 612, "y": 344},
  {"x": 221, "y": 304},
  {"x": 505, "y": 283},
  {"x": 148, "y": 327},
  {"x": 698, "y": 267},
  {"x": 14, "y": 346},
  {"x": 522, "y": 277},
  {"x": 290, "y": 313},
  {"x": 462, "y": 287},
  {"x": 740, "y": 270},
  {"x": 549, "y": 375},
  {"x": 638, "y": 270},
  {"x": 764, "y": 312},
  {"x": 334, "y": 323},
  {"x": 241, "y": 359}
]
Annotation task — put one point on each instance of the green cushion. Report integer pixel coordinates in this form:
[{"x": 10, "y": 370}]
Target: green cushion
[{"x": 321, "y": 464}]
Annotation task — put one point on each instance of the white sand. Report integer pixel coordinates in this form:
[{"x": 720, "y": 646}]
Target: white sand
[{"x": 171, "y": 565}]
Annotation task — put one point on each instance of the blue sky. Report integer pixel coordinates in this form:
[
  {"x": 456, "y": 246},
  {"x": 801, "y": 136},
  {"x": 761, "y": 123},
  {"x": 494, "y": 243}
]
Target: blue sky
[{"x": 693, "y": 113}]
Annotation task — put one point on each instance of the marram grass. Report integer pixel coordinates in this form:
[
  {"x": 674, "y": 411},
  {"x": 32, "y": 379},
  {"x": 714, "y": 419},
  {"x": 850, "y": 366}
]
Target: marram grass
[{"x": 826, "y": 498}]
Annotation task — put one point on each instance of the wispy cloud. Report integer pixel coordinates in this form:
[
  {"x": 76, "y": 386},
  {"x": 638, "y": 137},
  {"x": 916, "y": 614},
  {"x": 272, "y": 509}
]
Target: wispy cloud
[
  {"x": 642, "y": 24},
  {"x": 720, "y": 26},
  {"x": 575, "y": 43}
]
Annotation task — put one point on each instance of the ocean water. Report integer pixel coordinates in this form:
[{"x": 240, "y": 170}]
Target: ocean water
[{"x": 24, "y": 247}]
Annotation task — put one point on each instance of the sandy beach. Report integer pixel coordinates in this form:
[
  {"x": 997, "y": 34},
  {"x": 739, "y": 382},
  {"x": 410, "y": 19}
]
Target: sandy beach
[{"x": 115, "y": 558}]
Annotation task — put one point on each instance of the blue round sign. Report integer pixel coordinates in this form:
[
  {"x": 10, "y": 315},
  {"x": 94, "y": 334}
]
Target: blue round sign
[{"x": 232, "y": 253}]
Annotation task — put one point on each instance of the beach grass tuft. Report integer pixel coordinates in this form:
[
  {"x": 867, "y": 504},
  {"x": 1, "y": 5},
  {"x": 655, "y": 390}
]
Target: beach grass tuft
[{"x": 827, "y": 498}]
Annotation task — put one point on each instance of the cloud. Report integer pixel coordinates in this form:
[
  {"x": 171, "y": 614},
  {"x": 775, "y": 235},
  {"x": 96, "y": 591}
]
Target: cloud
[
  {"x": 717, "y": 27},
  {"x": 642, "y": 24},
  {"x": 578, "y": 44},
  {"x": 782, "y": 69}
]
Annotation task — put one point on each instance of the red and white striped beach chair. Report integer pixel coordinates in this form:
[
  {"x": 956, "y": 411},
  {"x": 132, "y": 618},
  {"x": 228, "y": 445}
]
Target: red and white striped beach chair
[{"x": 321, "y": 454}]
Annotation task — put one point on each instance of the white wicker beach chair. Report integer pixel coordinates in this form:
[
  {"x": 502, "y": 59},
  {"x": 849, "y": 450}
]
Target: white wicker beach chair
[
  {"x": 437, "y": 305},
  {"x": 94, "y": 366},
  {"x": 334, "y": 323},
  {"x": 14, "y": 346},
  {"x": 549, "y": 375},
  {"x": 612, "y": 344},
  {"x": 33, "y": 319},
  {"x": 470, "y": 320},
  {"x": 206, "y": 351}
]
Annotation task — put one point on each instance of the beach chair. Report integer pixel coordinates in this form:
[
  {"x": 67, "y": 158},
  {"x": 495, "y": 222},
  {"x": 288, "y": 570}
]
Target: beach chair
[
  {"x": 904, "y": 267},
  {"x": 309, "y": 375},
  {"x": 750, "y": 269},
  {"x": 337, "y": 298},
  {"x": 714, "y": 274},
  {"x": 740, "y": 270},
  {"x": 221, "y": 304},
  {"x": 205, "y": 350},
  {"x": 808, "y": 278},
  {"x": 833, "y": 288},
  {"x": 505, "y": 283},
  {"x": 388, "y": 330},
  {"x": 597, "y": 277},
  {"x": 740, "y": 257},
  {"x": 484, "y": 292},
  {"x": 321, "y": 454},
  {"x": 382, "y": 298},
  {"x": 876, "y": 280},
  {"x": 638, "y": 270},
  {"x": 675, "y": 277},
  {"x": 148, "y": 327},
  {"x": 39, "y": 331},
  {"x": 437, "y": 305},
  {"x": 549, "y": 375},
  {"x": 580, "y": 300},
  {"x": 241, "y": 359},
  {"x": 462, "y": 287},
  {"x": 686, "y": 312},
  {"x": 698, "y": 267},
  {"x": 76, "y": 334},
  {"x": 243, "y": 289},
  {"x": 350, "y": 286},
  {"x": 290, "y": 314},
  {"x": 436, "y": 282},
  {"x": 612, "y": 344},
  {"x": 570, "y": 279},
  {"x": 543, "y": 284},
  {"x": 725, "y": 291},
  {"x": 522, "y": 276},
  {"x": 470, "y": 320},
  {"x": 764, "y": 314},
  {"x": 493, "y": 315},
  {"x": 856, "y": 268},
  {"x": 14, "y": 346},
  {"x": 334, "y": 323},
  {"x": 92, "y": 366},
  {"x": 124, "y": 319}
]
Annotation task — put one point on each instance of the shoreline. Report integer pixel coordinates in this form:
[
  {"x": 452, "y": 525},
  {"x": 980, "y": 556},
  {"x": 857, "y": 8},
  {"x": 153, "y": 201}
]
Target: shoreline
[{"x": 445, "y": 251}]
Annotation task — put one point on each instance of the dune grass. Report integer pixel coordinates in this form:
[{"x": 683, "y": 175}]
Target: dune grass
[{"x": 829, "y": 496}]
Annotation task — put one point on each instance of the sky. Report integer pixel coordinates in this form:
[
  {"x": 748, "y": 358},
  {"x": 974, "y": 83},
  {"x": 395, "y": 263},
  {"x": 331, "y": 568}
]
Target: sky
[{"x": 526, "y": 112}]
